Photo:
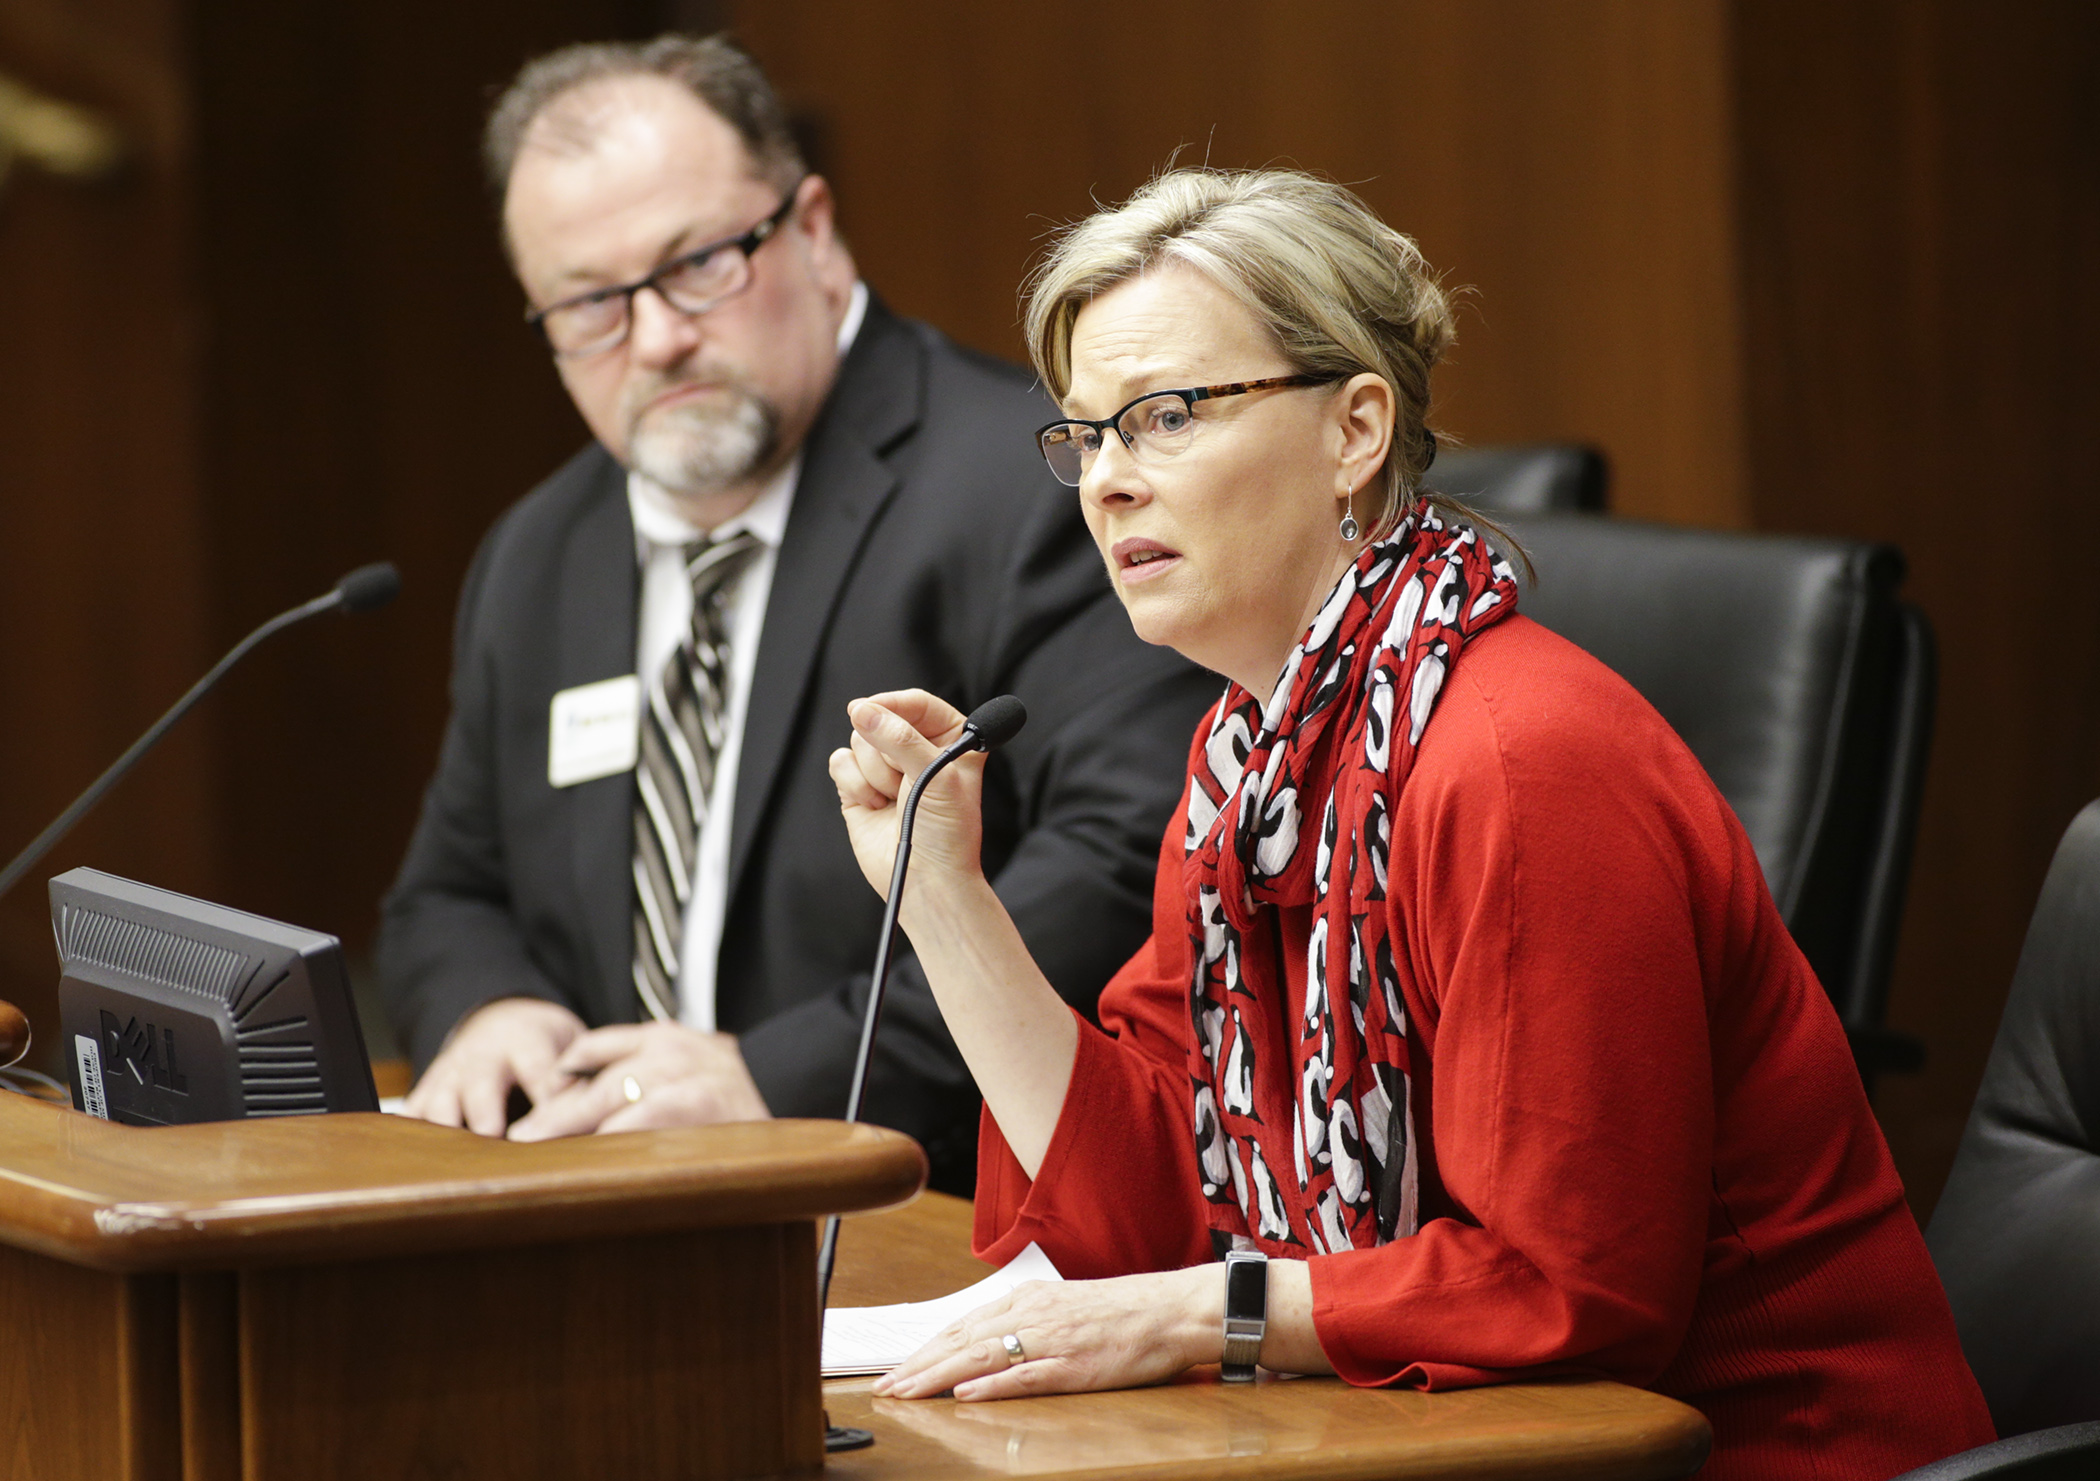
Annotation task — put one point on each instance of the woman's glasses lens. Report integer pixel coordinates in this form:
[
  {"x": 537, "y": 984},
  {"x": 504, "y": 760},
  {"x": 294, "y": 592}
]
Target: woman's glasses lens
[
  {"x": 1156, "y": 427},
  {"x": 1066, "y": 448}
]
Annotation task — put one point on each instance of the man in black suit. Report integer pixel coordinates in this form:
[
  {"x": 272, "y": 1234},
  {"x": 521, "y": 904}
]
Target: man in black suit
[{"x": 630, "y": 895}]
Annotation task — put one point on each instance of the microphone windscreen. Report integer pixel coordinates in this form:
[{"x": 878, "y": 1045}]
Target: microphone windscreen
[
  {"x": 369, "y": 586},
  {"x": 997, "y": 721}
]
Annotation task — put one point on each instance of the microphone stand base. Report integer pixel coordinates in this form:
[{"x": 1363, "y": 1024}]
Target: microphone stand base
[{"x": 845, "y": 1437}]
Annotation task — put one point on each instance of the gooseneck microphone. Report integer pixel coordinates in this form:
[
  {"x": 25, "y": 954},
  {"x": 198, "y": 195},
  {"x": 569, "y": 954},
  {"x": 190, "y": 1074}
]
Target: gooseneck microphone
[
  {"x": 362, "y": 590},
  {"x": 990, "y": 726}
]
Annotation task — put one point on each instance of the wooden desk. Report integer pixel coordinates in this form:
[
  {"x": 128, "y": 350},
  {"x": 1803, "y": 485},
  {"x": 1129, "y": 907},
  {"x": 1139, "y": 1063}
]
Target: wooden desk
[{"x": 1199, "y": 1429}]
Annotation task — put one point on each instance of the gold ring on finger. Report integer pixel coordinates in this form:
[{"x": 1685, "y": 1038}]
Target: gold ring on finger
[
  {"x": 632, "y": 1089},
  {"x": 1012, "y": 1343}
]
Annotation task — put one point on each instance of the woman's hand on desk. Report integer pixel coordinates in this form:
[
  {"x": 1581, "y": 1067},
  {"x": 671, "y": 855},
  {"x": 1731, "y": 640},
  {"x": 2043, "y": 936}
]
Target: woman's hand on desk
[
  {"x": 1082, "y": 1335},
  {"x": 1076, "y": 1335}
]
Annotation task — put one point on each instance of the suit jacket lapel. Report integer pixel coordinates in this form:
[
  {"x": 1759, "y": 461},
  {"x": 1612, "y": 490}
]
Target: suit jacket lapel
[
  {"x": 844, "y": 484},
  {"x": 598, "y": 595}
]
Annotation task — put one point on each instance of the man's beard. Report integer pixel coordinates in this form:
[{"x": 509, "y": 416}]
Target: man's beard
[{"x": 696, "y": 448}]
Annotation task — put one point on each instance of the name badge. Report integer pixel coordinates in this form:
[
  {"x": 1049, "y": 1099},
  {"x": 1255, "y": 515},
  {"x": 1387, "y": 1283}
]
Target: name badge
[{"x": 594, "y": 730}]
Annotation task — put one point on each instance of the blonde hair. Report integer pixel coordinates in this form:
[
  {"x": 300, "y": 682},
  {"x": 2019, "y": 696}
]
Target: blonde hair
[{"x": 1341, "y": 292}]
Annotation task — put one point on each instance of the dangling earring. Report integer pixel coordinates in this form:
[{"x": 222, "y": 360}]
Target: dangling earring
[{"x": 1350, "y": 528}]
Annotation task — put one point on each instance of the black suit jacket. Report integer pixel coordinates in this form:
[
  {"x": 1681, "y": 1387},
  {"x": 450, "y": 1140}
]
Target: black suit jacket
[{"x": 927, "y": 546}]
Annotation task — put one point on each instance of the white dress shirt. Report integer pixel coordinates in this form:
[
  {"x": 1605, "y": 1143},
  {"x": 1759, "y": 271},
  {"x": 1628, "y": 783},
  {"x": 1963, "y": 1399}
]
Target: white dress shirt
[{"x": 664, "y": 620}]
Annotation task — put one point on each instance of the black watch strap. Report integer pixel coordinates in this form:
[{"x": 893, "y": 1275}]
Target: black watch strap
[{"x": 1246, "y": 1312}]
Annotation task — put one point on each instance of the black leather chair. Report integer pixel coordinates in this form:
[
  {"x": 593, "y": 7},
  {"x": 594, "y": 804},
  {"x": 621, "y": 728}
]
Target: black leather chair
[
  {"x": 2071, "y": 1453},
  {"x": 1806, "y": 689},
  {"x": 2016, "y": 1235},
  {"x": 1522, "y": 478}
]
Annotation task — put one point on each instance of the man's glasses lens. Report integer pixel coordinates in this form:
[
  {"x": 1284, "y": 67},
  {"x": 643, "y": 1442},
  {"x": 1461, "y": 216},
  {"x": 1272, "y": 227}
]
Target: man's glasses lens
[
  {"x": 697, "y": 284},
  {"x": 577, "y": 328},
  {"x": 692, "y": 285}
]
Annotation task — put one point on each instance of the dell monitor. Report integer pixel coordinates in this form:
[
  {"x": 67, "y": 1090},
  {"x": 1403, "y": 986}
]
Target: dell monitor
[{"x": 175, "y": 1010}]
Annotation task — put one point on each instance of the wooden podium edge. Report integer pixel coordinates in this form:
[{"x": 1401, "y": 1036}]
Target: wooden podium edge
[{"x": 232, "y": 1194}]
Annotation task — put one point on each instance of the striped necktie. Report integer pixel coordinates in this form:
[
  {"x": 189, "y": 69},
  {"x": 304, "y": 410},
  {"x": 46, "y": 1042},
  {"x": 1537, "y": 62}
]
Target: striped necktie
[{"x": 681, "y": 737}]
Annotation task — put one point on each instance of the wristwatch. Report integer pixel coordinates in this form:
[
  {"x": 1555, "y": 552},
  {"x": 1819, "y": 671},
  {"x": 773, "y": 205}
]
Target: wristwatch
[{"x": 1246, "y": 1312}]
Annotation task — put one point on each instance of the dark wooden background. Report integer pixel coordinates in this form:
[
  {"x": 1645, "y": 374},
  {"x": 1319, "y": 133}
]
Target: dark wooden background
[{"x": 1794, "y": 266}]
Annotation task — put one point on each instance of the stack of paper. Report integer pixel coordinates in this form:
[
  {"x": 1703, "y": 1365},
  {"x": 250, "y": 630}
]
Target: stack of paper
[{"x": 874, "y": 1339}]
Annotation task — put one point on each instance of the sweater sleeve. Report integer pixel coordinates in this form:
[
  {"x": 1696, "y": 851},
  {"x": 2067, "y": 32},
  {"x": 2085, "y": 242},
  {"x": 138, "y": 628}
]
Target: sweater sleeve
[
  {"x": 1117, "y": 1190},
  {"x": 1565, "y": 887}
]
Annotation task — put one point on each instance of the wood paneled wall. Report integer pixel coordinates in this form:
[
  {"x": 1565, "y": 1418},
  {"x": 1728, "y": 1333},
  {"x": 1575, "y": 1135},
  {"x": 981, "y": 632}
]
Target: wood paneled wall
[
  {"x": 1793, "y": 266},
  {"x": 1558, "y": 161},
  {"x": 284, "y": 345},
  {"x": 103, "y": 592}
]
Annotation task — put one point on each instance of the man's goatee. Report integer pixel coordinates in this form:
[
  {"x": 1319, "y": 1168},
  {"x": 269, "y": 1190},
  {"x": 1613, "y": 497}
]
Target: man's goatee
[{"x": 693, "y": 449}]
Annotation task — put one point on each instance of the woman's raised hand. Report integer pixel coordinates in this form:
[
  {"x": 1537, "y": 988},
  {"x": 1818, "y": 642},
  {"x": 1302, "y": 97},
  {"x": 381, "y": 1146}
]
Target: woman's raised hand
[
  {"x": 1014, "y": 1030},
  {"x": 895, "y": 736}
]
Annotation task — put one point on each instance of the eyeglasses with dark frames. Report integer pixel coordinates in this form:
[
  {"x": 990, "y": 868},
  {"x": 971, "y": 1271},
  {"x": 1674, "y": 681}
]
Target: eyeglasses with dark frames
[
  {"x": 1155, "y": 426},
  {"x": 692, "y": 283}
]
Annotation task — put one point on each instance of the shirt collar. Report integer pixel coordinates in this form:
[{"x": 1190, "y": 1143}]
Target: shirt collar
[
  {"x": 658, "y": 523},
  {"x": 856, "y": 310}
]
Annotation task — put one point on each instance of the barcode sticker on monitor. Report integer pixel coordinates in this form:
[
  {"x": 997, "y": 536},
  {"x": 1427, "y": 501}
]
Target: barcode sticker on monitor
[{"x": 89, "y": 1055}]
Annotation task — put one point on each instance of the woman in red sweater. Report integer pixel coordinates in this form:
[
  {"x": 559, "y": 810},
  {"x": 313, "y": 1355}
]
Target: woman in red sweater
[{"x": 1467, "y": 1026}]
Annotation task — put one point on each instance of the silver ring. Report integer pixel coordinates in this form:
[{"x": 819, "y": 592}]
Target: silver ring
[
  {"x": 632, "y": 1089},
  {"x": 1012, "y": 1343}
]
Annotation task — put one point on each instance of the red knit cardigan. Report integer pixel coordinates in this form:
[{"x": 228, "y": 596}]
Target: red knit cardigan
[{"x": 1645, "y": 1152}]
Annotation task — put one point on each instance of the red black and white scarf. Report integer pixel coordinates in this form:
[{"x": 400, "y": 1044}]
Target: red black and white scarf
[{"x": 1317, "y": 1153}]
